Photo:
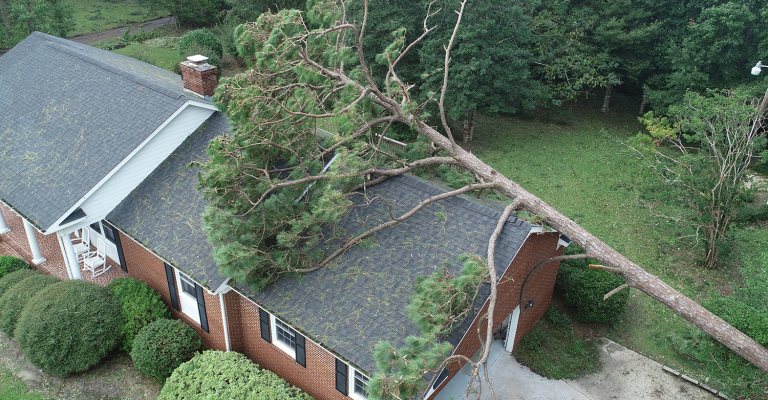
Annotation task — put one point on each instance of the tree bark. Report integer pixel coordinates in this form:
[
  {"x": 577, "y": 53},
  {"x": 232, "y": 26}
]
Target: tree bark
[
  {"x": 635, "y": 276},
  {"x": 643, "y": 105},
  {"x": 607, "y": 99}
]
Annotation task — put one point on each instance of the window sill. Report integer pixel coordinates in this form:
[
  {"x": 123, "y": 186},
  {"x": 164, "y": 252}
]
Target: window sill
[{"x": 285, "y": 348}]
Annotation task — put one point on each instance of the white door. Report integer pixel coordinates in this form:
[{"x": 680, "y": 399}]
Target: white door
[
  {"x": 509, "y": 342},
  {"x": 111, "y": 248}
]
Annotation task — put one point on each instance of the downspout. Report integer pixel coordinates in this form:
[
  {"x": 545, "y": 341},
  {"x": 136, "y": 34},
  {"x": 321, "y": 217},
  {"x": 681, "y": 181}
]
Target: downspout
[{"x": 224, "y": 321}]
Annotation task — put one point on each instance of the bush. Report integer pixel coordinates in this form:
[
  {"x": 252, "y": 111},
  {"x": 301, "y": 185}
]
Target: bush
[
  {"x": 202, "y": 377},
  {"x": 14, "y": 299},
  {"x": 202, "y": 41},
  {"x": 162, "y": 346},
  {"x": 15, "y": 277},
  {"x": 583, "y": 290},
  {"x": 552, "y": 349},
  {"x": 140, "y": 305},
  {"x": 9, "y": 264},
  {"x": 69, "y": 327}
]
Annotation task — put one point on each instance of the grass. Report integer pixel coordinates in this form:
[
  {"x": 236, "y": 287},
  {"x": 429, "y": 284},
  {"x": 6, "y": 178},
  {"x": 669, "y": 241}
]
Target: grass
[
  {"x": 162, "y": 57},
  {"x": 14, "y": 389},
  {"x": 585, "y": 170},
  {"x": 98, "y": 15},
  {"x": 552, "y": 349}
]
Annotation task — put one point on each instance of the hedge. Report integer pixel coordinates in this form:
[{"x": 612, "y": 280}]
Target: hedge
[
  {"x": 140, "y": 305},
  {"x": 69, "y": 327},
  {"x": 218, "y": 375},
  {"x": 10, "y": 263},
  {"x": 583, "y": 290},
  {"x": 15, "y": 277},
  {"x": 162, "y": 346},
  {"x": 12, "y": 302}
]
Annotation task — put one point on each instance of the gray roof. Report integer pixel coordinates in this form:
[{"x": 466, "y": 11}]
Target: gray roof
[
  {"x": 165, "y": 212},
  {"x": 69, "y": 113},
  {"x": 360, "y": 299}
]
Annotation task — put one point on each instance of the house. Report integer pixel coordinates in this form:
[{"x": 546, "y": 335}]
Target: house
[{"x": 97, "y": 145}]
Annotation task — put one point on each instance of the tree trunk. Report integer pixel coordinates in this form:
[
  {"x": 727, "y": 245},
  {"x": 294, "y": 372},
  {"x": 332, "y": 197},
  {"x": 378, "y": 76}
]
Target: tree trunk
[
  {"x": 471, "y": 125},
  {"x": 643, "y": 104},
  {"x": 635, "y": 276},
  {"x": 465, "y": 131},
  {"x": 607, "y": 99}
]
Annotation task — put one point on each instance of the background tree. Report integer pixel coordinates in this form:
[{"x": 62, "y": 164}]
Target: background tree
[
  {"x": 714, "y": 139},
  {"x": 273, "y": 184},
  {"x": 19, "y": 18}
]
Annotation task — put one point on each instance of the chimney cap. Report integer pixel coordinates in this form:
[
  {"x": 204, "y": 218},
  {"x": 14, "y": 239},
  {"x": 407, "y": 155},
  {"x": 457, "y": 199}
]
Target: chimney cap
[{"x": 197, "y": 59}]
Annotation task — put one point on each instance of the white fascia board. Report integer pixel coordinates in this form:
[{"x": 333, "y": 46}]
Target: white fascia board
[{"x": 56, "y": 225}]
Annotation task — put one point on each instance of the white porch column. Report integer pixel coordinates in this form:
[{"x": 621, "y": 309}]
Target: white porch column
[
  {"x": 3, "y": 227},
  {"x": 72, "y": 263},
  {"x": 37, "y": 256},
  {"x": 224, "y": 320}
]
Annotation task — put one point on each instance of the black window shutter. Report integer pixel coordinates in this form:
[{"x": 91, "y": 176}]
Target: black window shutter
[
  {"x": 170, "y": 276},
  {"x": 342, "y": 377},
  {"x": 301, "y": 350},
  {"x": 201, "y": 307},
  {"x": 440, "y": 378},
  {"x": 120, "y": 255},
  {"x": 266, "y": 329}
]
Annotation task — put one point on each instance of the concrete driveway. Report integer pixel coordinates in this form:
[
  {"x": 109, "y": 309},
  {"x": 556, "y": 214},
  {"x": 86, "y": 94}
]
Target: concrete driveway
[{"x": 624, "y": 375}]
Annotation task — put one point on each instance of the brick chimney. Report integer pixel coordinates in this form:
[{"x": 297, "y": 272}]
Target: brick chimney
[{"x": 198, "y": 76}]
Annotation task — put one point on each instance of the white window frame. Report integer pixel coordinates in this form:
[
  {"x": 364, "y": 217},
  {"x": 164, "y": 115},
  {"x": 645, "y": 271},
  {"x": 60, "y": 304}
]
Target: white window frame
[
  {"x": 351, "y": 382},
  {"x": 194, "y": 315},
  {"x": 286, "y": 348}
]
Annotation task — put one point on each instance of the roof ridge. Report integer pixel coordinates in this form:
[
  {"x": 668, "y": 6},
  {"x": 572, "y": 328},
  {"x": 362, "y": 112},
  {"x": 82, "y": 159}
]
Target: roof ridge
[{"x": 66, "y": 46}]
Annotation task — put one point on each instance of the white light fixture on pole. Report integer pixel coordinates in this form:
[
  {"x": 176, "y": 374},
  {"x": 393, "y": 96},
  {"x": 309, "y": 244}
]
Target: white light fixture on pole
[{"x": 758, "y": 68}]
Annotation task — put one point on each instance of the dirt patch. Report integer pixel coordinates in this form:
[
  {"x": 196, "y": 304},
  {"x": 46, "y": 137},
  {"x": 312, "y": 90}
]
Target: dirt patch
[
  {"x": 115, "y": 378},
  {"x": 118, "y": 32}
]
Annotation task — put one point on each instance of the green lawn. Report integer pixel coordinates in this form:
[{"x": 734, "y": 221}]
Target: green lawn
[
  {"x": 584, "y": 169},
  {"x": 162, "y": 57},
  {"x": 99, "y": 15},
  {"x": 13, "y": 389}
]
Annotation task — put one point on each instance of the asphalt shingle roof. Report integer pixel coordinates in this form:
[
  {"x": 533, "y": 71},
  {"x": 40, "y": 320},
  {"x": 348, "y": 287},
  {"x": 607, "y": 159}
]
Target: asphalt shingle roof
[
  {"x": 361, "y": 298},
  {"x": 69, "y": 113},
  {"x": 165, "y": 212}
]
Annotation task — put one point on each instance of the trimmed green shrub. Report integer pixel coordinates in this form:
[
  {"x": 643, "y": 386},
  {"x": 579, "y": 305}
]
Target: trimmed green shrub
[
  {"x": 10, "y": 263},
  {"x": 15, "y": 277},
  {"x": 219, "y": 375},
  {"x": 162, "y": 346},
  {"x": 202, "y": 41},
  {"x": 583, "y": 290},
  {"x": 69, "y": 327},
  {"x": 12, "y": 302},
  {"x": 552, "y": 349},
  {"x": 140, "y": 305}
]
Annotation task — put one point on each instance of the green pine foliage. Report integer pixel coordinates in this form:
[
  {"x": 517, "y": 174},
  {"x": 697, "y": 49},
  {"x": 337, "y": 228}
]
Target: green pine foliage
[
  {"x": 160, "y": 347},
  {"x": 69, "y": 327},
  {"x": 15, "y": 277},
  {"x": 14, "y": 299},
  {"x": 226, "y": 375},
  {"x": 140, "y": 305},
  {"x": 441, "y": 301},
  {"x": 10, "y": 264}
]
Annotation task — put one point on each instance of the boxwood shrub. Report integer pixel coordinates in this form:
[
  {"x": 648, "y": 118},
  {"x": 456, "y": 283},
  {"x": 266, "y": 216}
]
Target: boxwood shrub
[
  {"x": 219, "y": 375},
  {"x": 162, "y": 346},
  {"x": 69, "y": 327},
  {"x": 10, "y": 264},
  {"x": 583, "y": 290},
  {"x": 140, "y": 305},
  {"x": 12, "y": 302},
  {"x": 15, "y": 277}
]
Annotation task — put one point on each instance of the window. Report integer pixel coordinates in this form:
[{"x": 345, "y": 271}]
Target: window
[
  {"x": 285, "y": 334},
  {"x": 188, "y": 286},
  {"x": 360, "y": 384}
]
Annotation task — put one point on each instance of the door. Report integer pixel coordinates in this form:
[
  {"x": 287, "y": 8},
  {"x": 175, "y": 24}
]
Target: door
[{"x": 509, "y": 342}]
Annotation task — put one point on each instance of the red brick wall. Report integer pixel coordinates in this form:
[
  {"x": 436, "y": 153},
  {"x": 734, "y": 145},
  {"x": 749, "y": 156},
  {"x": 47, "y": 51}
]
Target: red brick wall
[
  {"x": 318, "y": 378},
  {"x": 199, "y": 79},
  {"x": 538, "y": 287},
  {"x": 144, "y": 265},
  {"x": 17, "y": 239}
]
